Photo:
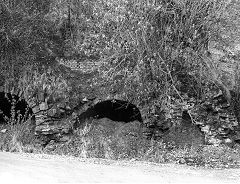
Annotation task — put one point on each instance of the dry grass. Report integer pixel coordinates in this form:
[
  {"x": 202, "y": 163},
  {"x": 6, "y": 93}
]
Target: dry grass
[
  {"x": 119, "y": 141},
  {"x": 17, "y": 137}
]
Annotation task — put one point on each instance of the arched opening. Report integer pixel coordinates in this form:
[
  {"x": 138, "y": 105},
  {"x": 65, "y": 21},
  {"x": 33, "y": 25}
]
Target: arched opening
[
  {"x": 22, "y": 109},
  {"x": 115, "y": 110}
]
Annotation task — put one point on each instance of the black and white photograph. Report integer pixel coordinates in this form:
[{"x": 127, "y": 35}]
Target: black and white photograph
[{"x": 120, "y": 91}]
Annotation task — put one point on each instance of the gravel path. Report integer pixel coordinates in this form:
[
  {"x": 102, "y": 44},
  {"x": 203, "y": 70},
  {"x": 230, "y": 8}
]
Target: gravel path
[{"x": 30, "y": 168}]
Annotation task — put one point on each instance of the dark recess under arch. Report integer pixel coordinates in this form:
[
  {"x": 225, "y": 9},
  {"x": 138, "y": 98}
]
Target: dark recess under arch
[
  {"x": 116, "y": 110},
  {"x": 21, "y": 107}
]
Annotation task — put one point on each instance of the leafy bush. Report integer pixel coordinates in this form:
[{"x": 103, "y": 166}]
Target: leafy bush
[
  {"x": 145, "y": 47},
  {"x": 47, "y": 85},
  {"x": 26, "y": 37}
]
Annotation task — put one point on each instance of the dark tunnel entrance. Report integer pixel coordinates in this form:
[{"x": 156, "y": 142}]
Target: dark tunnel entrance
[
  {"x": 22, "y": 109},
  {"x": 115, "y": 110}
]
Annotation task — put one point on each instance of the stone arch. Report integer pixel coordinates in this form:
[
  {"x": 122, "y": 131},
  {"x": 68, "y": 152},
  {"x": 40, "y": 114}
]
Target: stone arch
[{"x": 115, "y": 110}]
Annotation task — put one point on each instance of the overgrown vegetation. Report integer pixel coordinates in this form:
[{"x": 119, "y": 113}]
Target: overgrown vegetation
[
  {"x": 154, "y": 54},
  {"x": 117, "y": 141},
  {"x": 17, "y": 137}
]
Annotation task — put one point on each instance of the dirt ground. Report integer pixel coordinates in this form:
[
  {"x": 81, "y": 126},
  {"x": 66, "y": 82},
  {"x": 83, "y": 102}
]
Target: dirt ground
[{"x": 32, "y": 168}]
